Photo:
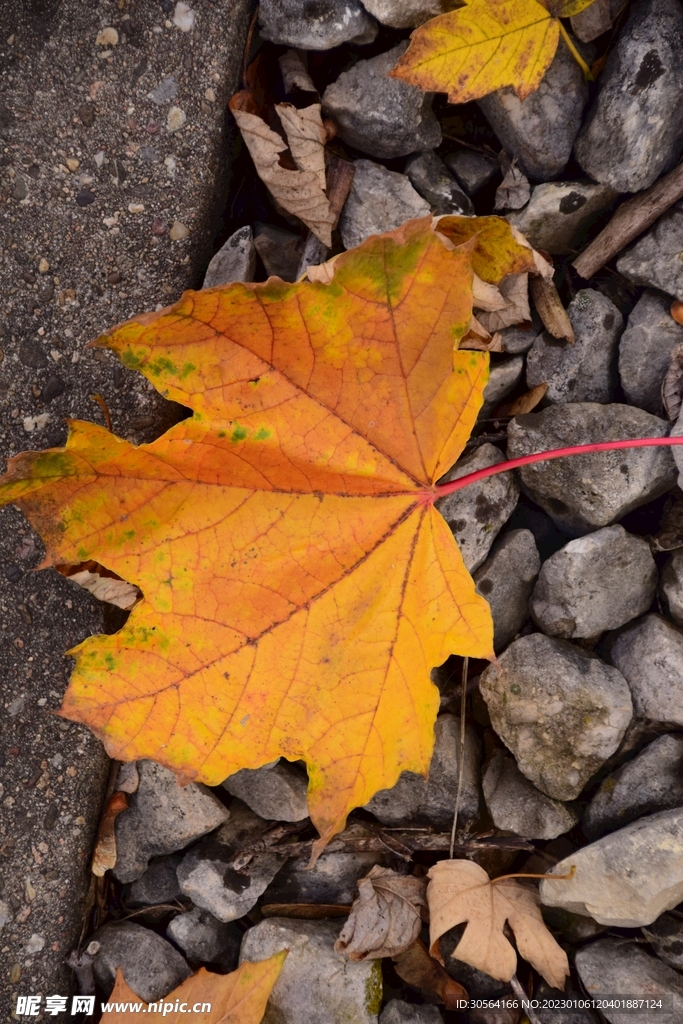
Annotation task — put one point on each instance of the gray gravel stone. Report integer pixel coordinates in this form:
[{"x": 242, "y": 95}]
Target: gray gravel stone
[
  {"x": 597, "y": 582},
  {"x": 417, "y": 800},
  {"x": 379, "y": 200},
  {"x": 655, "y": 260},
  {"x": 652, "y": 781},
  {"x": 332, "y": 879},
  {"x": 559, "y": 214},
  {"x": 163, "y": 817},
  {"x": 150, "y": 964},
  {"x": 158, "y": 884},
  {"x": 403, "y": 13},
  {"x": 315, "y": 983},
  {"x": 399, "y": 1012},
  {"x": 477, "y": 514},
  {"x": 626, "y": 879},
  {"x": 560, "y": 710},
  {"x": 671, "y": 587},
  {"x": 205, "y": 874},
  {"x": 665, "y": 935},
  {"x": 517, "y": 806},
  {"x": 276, "y": 791},
  {"x": 234, "y": 261},
  {"x": 585, "y": 492},
  {"x": 473, "y": 170},
  {"x": 429, "y": 175},
  {"x": 650, "y": 655},
  {"x": 587, "y": 370},
  {"x": 506, "y": 580},
  {"x": 645, "y": 351},
  {"x": 503, "y": 378},
  {"x": 318, "y": 26},
  {"x": 618, "y": 967},
  {"x": 378, "y": 115},
  {"x": 279, "y": 249},
  {"x": 540, "y": 130},
  {"x": 633, "y": 132},
  {"x": 203, "y": 939},
  {"x": 517, "y": 340}
]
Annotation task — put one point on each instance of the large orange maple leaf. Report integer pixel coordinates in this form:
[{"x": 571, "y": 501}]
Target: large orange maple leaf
[{"x": 298, "y": 583}]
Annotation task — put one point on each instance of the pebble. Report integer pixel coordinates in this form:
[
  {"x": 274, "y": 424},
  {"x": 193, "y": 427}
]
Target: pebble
[
  {"x": 559, "y": 709},
  {"x": 397, "y": 1011},
  {"x": 473, "y": 170},
  {"x": 431, "y": 178},
  {"x": 166, "y": 90},
  {"x": 585, "y": 492},
  {"x": 35, "y": 944},
  {"x": 175, "y": 119},
  {"x": 183, "y": 17},
  {"x": 327, "y": 24},
  {"x": 655, "y": 260},
  {"x": 652, "y": 781},
  {"x": 650, "y": 655},
  {"x": 403, "y": 13},
  {"x": 85, "y": 198},
  {"x": 597, "y": 582},
  {"x": 585, "y": 371},
  {"x": 315, "y": 983},
  {"x": 477, "y": 513},
  {"x": 518, "y": 340},
  {"x": 276, "y": 791},
  {"x": 207, "y": 878},
  {"x": 203, "y": 939},
  {"x": 620, "y": 967},
  {"x": 43, "y": 265},
  {"x": 633, "y": 132},
  {"x": 645, "y": 351},
  {"x": 671, "y": 587},
  {"x": 626, "y": 879},
  {"x": 559, "y": 214},
  {"x": 506, "y": 580},
  {"x": 150, "y": 964},
  {"x": 515, "y": 805},
  {"x": 540, "y": 130},
  {"x": 503, "y": 378},
  {"x": 332, "y": 879},
  {"x": 381, "y": 116},
  {"x": 665, "y": 935},
  {"x": 234, "y": 261},
  {"x": 107, "y": 37},
  {"x": 178, "y": 231},
  {"x": 380, "y": 200},
  {"x": 158, "y": 884},
  {"x": 163, "y": 817},
  {"x": 417, "y": 800},
  {"x": 279, "y": 249}
]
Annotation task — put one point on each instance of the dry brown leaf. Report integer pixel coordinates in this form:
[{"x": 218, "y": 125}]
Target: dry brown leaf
[
  {"x": 104, "y": 857},
  {"x": 119, "y": 592},
  {"x": 479, "y": 339},
  {"x": 461, "y": 891},
  {"x": 386, "y": 917},
  {"x": 550, "y": 309},
  {"x": 677, "y": 311},
  {"x": 514, "y": 190},
  {"x": 522, "y": 405},
  {"x": 298, "y": 191},
  {"x": 294, "y": 73},
  {"x": 485, "y": 296},
  {"x": 515, "y": 290},
  {"x": 672, "y": 385},
  {"x": 416, "y": 967}
]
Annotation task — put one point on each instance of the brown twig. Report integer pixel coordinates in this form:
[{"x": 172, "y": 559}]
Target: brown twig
[
  {"x": 631, "y": 219},
  {"x": 461, "y": 758},
  {"x": 247, "y": 47}
]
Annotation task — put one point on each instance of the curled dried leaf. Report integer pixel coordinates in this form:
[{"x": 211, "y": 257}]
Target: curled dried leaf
[
  {"x": 386, "y": 917},
  {"x": 514, "y": 191},
  {"x": 515, "y": 291},
  {"x": 523, "y": 404},
  {"x": 416, "y": 967},
  {"x": 672, "y": 385},
  {"x": 550, "y": 309},
  {"x": 461, "y": 891},
  {"x": 294, "y": 73},
  {"x": 104, "y": 857},
  {"x": 677, "y": 311}
]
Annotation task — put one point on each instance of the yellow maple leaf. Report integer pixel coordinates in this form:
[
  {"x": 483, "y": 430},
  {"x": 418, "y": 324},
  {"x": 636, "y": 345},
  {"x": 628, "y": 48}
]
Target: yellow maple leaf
[
  {"x": 487, "y": 45},
  {"x": 298, "y": 582}
]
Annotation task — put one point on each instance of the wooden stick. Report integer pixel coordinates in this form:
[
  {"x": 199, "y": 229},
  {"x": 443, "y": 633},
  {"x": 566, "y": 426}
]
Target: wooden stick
[{"x": 631, "y": 219}]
